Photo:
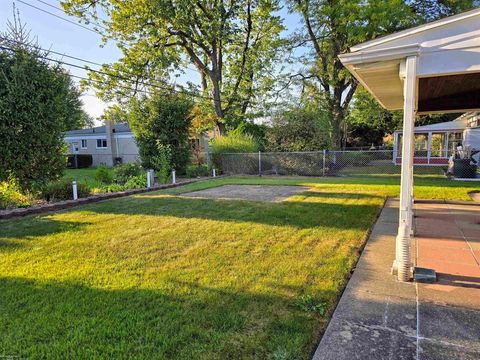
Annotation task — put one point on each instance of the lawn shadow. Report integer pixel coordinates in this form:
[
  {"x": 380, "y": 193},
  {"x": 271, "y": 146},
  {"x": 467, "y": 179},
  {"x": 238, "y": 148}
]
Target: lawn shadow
[
  {"x": 298, "y": 214},
  {"x": 175, "y": 320},
  {"x": 338, "y": 195},
  {"x": 29, "y": 228}
]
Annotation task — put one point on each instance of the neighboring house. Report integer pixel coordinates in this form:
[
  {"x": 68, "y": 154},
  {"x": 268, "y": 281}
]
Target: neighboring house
[
  {"x": 199, "y": 145},
  {"x": 111, "y": 144},
  {"x": 434, "y": 144},
  {"x": 108, "y": 144}
]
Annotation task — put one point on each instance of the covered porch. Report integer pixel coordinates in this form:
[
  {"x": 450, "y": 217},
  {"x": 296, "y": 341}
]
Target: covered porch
[{"x": 433, "y": 68}]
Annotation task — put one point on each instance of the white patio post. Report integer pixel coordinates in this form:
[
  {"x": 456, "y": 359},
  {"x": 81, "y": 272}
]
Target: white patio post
[
  {"x": 402, "y": 262},
  {"x": 174, "y": 178}
]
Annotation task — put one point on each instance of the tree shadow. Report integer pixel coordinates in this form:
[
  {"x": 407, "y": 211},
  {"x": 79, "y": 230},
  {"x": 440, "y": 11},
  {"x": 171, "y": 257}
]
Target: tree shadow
[
  {"x": 298, "y": 214},
  {"x": 338, "y": 195},
  {"x": 174, "y": 320},
  {"x": 16, "y": 232}
]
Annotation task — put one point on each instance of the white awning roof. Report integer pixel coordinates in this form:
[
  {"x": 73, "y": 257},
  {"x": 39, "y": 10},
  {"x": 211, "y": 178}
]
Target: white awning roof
[
  {"x": 447, "y": 48},
  {"x": 459, "y": 124}
]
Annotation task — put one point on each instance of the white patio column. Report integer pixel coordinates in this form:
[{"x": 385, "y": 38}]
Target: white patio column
[{"x": 403, "y": 261}]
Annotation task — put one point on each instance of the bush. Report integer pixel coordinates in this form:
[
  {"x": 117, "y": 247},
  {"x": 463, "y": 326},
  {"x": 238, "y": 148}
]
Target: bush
[
  {"x": 104, "y": 174},
  {"x": 234, "y": 142},
  {"x": 355, "y": 159},
  {"x": 136, "y": 182},
  {"x": 194, "y": 171},
  {"x": 110, "y": 188},
  {"x": 123, "y": 173},
  {"x": 11, "y": 195},
  {"x": 162, "y": 162},
  {"x": 301, "y": 128},
  {"x": 162, "y": 119},
  {"x": 62, "y": 190}
]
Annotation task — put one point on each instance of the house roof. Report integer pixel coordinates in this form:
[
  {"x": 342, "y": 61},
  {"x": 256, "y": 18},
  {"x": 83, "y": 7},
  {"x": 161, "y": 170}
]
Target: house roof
[
  {"x": 457, "y": 124},
  {"x": 415, "y": 30},
  {"x": 447, "y": 50},
  {"x": 118, "y": 128}
]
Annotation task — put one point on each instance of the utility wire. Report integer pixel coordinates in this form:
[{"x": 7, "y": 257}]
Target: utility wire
[
  {"x": 115, "y": 76},
  {"x": 164, "y": 87},
  {"x": 62, "y": 10},
  {"x": 81, "y": 25},
  {"x": 59, "y": 17}
]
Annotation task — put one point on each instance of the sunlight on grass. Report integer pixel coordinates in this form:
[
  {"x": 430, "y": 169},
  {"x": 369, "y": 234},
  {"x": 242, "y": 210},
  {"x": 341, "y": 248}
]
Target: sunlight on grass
[{"x": 163, "y": 276}]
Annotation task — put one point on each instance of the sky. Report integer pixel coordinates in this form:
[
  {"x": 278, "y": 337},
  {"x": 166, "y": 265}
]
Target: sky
[{"x": 66, "y": 38}]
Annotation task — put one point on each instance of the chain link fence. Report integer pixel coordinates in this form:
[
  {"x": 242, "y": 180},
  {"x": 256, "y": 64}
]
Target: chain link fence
[
  {"x": 324, "y": 163},
  {"x": 311, "y": 163}
]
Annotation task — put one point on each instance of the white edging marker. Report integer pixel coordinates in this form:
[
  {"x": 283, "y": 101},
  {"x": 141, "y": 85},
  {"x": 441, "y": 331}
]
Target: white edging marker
[{"x": 74, "y": 189}]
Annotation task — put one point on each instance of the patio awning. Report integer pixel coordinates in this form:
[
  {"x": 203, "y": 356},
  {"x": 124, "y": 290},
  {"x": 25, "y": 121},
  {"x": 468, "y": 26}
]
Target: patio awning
[
  {"x": 448, "y": 67},
  {"x": 430, "y": 68},
  {"x": 458, "y": 124}
]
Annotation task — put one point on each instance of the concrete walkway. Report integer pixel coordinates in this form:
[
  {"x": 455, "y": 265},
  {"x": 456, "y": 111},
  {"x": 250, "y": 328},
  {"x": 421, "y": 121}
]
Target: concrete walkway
[{"x": 380, "y": 318}]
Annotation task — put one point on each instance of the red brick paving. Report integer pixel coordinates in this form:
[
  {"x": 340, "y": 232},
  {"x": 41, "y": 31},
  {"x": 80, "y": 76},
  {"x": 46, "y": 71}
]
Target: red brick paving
[{"x": 448, "y": 241}]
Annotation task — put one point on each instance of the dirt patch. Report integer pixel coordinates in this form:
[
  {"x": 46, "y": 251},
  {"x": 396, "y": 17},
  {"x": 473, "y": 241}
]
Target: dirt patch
[{"x": 269, "y": 193}]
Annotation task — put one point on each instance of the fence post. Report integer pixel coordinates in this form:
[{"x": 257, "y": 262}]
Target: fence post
[
  {"x": 324, "y": 161},
  {"x": 214, "y": 172},
  {"x": 174, "y": 179},
  {"x": 259, "y": 163},
  {"x": 74, "y": 189}
]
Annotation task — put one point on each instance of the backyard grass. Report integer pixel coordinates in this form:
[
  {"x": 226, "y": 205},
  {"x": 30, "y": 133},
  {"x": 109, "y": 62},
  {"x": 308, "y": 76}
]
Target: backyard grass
[
  {"x": 86, "y": 176},
  {"x": 163, "y": 276}
]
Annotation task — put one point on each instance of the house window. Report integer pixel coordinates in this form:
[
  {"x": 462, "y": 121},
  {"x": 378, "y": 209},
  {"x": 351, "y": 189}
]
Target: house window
[
  {"x": 84, "y": 144},
  {"x": 454, "y": 140},
  {"x": 421, "y": 145},
  {"x": 101, "y": 143},
  {"x": 437, "y": 148}
]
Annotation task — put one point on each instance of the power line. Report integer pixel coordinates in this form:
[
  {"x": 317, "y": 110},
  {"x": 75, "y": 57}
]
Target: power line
[
  {"x": 113, "y": 75},
  {"x": 81, "y": 25},
  {"x": 59, "y": 17},
  {"x": 164, "y": 87},
  {"x": 62, "y": 10}
]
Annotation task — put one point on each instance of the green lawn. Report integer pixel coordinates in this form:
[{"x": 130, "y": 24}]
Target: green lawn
[
  {"x": 86, "y": 175},
  {"x": 162, "y": 276}
]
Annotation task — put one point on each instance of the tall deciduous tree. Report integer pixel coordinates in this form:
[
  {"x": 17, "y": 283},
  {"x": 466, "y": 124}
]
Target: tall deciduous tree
[
  {"x": 230, "y": 43},
  {"x": 332, "y": 27},
  {"x": 429, "y": 10}
]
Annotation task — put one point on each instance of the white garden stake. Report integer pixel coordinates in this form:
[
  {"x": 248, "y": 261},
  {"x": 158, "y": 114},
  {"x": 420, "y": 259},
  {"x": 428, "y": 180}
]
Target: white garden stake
[
  {"x": 174, "y": 180},
  {"x": 74, "y": 188},
  {"x": 214, "y": 172},
  {"x": 149, "y": 178}
]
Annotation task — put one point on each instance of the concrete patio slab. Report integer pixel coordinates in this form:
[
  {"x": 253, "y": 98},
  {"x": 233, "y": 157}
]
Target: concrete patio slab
[
  {"x": 380, "y": 318},
  {"x": 269, "y": 193}
]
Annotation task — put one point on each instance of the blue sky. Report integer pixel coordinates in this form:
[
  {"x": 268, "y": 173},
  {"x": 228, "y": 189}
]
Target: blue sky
[{"x": 60, "y": 36}]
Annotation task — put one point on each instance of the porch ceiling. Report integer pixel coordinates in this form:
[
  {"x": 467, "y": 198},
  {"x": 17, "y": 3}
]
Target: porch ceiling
[{"x": 449, "y": 93}]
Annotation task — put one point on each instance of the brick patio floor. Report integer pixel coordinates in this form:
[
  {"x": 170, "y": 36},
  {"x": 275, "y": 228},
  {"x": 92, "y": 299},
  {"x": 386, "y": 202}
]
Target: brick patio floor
[
  {"x": 381, "y": 318},
  {"x": 448, "y": 241}
]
